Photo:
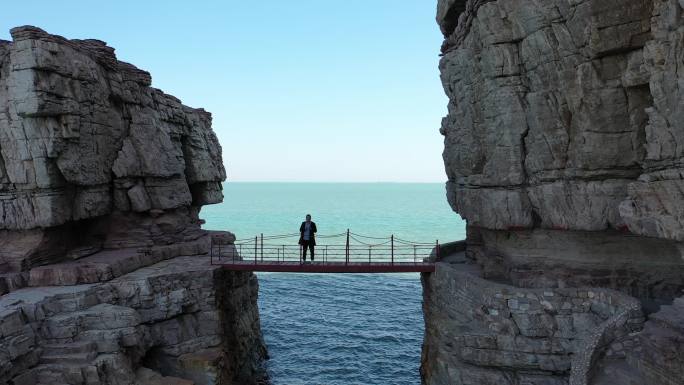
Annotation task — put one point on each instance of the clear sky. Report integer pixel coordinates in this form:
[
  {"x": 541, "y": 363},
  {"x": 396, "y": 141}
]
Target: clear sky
[{"x": 300, "y": 90}]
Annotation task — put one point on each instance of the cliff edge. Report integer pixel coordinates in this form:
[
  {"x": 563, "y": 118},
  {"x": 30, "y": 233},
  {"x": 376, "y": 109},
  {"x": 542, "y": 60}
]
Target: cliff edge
[
  {"x": 104, "y": 269},
  {"x": 563, "y": 151}
]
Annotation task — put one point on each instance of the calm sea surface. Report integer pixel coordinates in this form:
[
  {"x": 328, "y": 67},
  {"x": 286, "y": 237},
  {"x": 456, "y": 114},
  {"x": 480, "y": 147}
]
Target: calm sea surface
[{"x": 334, "y": 329}]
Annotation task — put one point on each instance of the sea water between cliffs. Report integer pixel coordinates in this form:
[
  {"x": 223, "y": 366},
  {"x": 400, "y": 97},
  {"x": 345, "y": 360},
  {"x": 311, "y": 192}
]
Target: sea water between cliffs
[{"x": 330, "y": 329}]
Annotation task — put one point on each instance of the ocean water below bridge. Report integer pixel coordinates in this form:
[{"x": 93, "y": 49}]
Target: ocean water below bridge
[{"x": 334, "y": 328}]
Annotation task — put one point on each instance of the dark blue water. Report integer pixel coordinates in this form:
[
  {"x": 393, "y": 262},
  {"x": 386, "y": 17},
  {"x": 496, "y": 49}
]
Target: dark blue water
[{"x": 340, "y": 329}]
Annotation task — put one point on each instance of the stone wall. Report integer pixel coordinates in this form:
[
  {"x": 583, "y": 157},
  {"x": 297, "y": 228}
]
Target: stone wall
[
  {"x": 562, "y": 152},
  {"x": 521, "y": 335}
]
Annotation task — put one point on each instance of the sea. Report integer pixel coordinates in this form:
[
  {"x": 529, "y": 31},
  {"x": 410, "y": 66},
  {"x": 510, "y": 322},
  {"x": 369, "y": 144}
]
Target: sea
[{"x": 340, "y": 329}]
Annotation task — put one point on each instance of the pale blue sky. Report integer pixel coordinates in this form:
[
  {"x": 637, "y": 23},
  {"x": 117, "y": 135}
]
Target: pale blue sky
[{"x": 300, "y": 90}]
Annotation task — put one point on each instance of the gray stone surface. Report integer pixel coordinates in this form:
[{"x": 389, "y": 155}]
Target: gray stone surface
[
  {"x": 481, "y": 332},
  {"x": 560, "y": 113},
  {"x": 661, "y": 356},
  {"x": 183, "y": 318},
  {"x": 84, "y": 138},
  {"x": 105, "y": 276},
  {"x": 563, "y": 152},
  {"x": 563, "y": 115}
]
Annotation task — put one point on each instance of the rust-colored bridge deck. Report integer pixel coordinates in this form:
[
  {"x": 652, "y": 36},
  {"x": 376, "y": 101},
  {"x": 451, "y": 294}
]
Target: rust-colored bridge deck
[
  {"x": 358, "y": 254},
  {"x": 329, "y": 267}
]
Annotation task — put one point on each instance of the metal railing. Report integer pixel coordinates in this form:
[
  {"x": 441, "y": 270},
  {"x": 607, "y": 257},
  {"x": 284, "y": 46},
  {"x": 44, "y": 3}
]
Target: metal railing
[{"x": 356, "y": 249}]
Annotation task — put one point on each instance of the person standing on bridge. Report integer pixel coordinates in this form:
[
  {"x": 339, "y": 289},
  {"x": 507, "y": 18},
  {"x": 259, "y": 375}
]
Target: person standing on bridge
[{"x": 307, "y": 238}]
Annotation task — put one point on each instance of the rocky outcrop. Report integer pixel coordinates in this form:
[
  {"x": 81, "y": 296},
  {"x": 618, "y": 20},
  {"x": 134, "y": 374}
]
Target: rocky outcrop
[
  {"x": 182, "y": 318},
  {"x": 92, "y": 156},
  {"x": 105, "y": 272},
  {"x": 562, "y": 154}
]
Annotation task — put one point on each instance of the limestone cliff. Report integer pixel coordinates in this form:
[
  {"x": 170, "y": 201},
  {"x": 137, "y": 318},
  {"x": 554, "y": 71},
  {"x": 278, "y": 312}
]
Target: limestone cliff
[
  {"x": 104, "y": 266},
  {"x": 92, "y": 156},
  {"x": 563, "y": 151}
]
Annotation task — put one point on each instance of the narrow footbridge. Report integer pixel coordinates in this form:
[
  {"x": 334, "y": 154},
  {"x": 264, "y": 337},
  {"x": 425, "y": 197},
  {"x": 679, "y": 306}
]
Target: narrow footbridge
[{"x": 346, "y": 252}]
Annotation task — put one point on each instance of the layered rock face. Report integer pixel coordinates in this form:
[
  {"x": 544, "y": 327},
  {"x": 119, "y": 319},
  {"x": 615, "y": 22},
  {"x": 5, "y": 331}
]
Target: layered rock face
[
  {"x": 180, "y": 320},
  {"x": 104, "y": 267},
  {"x": 92, "y": 156},
  {"x": 563, "y": 153}
]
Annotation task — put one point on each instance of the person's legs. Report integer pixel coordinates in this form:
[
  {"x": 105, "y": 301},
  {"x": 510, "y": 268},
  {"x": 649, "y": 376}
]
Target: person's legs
[
  {"x": 304, "y": 246},
  {"x": 311, "y": 247}
]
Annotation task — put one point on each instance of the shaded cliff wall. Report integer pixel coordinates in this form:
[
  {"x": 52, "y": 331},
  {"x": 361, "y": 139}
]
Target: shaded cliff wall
[
  {"x": 563, "y": 153},
  {"x": 105, "y": 274}
]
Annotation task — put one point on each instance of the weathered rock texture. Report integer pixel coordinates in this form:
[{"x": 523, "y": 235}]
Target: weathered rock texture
[
  {"x": 103, "y": 262},
  {"x": 92, "y": 156},
  {"x": 481, "y": 332},
  {"x": 563, "y": 151},
  {"x": 182, "y": 318}
]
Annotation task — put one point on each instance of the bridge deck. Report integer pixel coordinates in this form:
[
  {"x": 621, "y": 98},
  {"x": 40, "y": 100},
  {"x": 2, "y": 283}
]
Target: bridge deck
[{"x": 329, "y": 267}]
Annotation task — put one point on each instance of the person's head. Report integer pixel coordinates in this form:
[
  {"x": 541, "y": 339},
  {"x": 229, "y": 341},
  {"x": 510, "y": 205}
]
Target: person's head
[{"x": 308, "y": 217}]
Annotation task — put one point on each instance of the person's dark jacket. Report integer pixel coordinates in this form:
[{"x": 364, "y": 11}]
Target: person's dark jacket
[{"x": 313, "y": 230}]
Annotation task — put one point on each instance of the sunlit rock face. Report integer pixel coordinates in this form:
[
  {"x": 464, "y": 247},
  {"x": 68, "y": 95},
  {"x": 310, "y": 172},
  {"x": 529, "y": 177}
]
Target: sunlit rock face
[
  {"x": 105, "y": 274},
  {"x": 85, "y": 139},
  {"x": 563, "y": 151}
]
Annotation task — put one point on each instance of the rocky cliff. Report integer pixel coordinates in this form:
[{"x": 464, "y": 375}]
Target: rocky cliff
[
  {"x": 104, "y": 267},
  {"x": 563, "y": 151}
]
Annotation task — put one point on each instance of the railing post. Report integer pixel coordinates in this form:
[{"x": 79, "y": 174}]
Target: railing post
[
  {"x": 346, "y": 252},
  {"x": 262, "y": 247},
  {"x": 369, "y": 254},
  {"x": 414, "y": 254},
  {"x": 437, "y": 250},
  {"x": 256, "y": 239},
  {"x": 392, "y": 239},
  {"x": 239, "y": 252}
]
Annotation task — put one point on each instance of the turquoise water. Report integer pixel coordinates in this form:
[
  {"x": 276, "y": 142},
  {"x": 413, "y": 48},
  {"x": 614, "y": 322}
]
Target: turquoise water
[
  {"x": 409, "y": 210},
  {"x": 337, "y": 329}
]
